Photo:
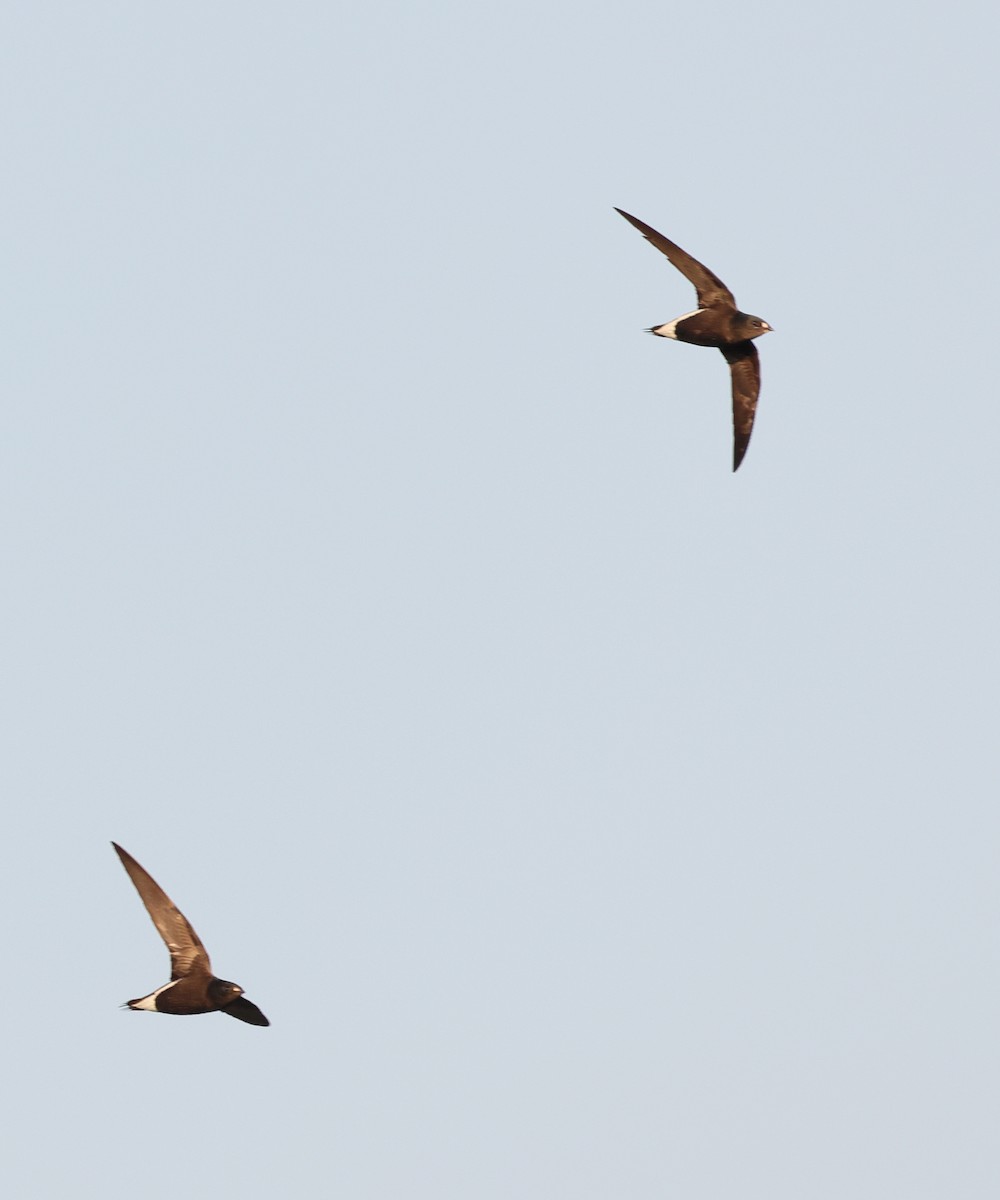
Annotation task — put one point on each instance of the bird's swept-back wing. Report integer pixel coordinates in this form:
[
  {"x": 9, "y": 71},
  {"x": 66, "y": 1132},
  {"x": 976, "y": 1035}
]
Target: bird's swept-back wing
[
  {"x": 243, "y": 1010},
  {"x": 187, "y": 954},
  {"x": 744, "y": 366},
  {"x": 711, "y": 290}
]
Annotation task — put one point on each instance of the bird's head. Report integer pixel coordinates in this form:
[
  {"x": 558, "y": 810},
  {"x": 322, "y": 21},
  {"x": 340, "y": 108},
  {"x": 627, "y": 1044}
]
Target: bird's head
[
  {"x": 752, "y": 327},
  {"x": 224, "y": 992}
]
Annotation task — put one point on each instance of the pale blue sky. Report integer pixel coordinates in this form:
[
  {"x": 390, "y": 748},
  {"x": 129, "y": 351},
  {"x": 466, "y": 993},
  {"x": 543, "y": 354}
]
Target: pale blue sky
[{"x": 589, "y": 821}]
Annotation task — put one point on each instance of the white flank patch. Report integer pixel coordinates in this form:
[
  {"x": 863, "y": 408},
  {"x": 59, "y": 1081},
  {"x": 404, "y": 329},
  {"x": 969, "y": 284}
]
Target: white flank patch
[
  {"x": 670, "y": 329},
  {"x": 148, "y": 1003}
]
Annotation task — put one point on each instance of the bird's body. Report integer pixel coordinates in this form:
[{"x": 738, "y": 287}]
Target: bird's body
[
  {"x": 715, "y": 322},
  {"x": 192, "y": 987}
]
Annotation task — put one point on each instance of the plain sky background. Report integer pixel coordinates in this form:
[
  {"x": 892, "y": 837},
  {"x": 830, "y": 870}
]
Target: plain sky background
[{"x": 589, "y": 821}]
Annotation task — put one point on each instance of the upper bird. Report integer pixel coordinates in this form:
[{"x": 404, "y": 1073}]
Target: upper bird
[
  {"x": 192, "y": 987},
  {"x": 715, "y": 322}
]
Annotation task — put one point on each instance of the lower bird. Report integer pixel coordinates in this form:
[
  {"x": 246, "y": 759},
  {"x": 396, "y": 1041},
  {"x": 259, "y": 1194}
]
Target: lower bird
[
  {"x": 715, "y": 322},
  {"x": 192, "y": 987}
]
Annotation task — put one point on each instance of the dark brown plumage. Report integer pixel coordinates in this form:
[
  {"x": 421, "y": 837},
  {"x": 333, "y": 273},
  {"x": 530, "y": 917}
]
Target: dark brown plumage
[
  {"x": 716, "y": 322},
  {"x": 192, "y": 987}
]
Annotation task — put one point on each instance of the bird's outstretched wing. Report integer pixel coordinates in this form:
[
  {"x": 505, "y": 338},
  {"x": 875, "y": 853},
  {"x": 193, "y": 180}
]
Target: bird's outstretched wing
[
  {"x": 710, "y": 288},
  {"x": 744, "y": 366},
  {"x": 243, "y": 1010},
  {"x": 187, "y": 955}
]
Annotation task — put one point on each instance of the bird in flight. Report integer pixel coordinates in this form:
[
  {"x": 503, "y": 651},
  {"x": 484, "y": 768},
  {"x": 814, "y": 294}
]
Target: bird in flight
[
  {"x": 192, "y": 987},
  {"x": 715, "y": 322}
]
